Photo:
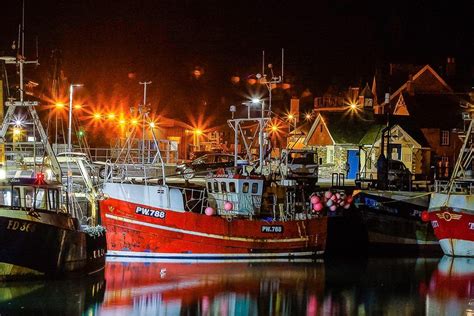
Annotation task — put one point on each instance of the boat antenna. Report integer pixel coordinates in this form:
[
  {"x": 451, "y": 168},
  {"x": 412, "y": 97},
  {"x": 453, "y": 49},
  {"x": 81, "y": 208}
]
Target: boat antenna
[{"x": 143, "y": 112}]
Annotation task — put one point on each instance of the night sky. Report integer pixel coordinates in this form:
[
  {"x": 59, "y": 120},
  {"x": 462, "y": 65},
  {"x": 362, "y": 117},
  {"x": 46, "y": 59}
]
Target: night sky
[{"x": 111, "y": 45}]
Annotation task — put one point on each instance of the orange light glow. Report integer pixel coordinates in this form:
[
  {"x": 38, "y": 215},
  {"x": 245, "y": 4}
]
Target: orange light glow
[
  {"x": 291, "y": 116},
  {"x": 134, "y": 122},
  {"x": 197, "y": 131},
  {"x": 97, "y": 116},
  {"x": 77, "y": 106},
  {"x": 152, "y": 124},
  {"x": 111, "y": 116},
  {"x": 59, "y": 105},
  {"x": 122, "y": 122}
]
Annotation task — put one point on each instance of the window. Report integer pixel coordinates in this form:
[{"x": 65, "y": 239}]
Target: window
[
  {"x": 40, "y": 199},
  {"x": 254, "y": 188},
  {"x": 223, "y": 187},
  {"x": 444, "y": 138},
  {"x": 330, "y": 154},
  {"x": 245, "y": 187},
  {"x": 53, "y": 199},
  {"x": 216, "y": 186},
  {"x": 231, "y": 187},
  {"x": 5, "y": 197},
  {"x": 209, "y": 186}
]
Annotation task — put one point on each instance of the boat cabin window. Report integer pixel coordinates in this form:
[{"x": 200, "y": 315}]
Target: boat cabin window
[
  {"x": 223, "y": 187},
  {"x": 254, "y": 188},
  {"x": 245, "y": 187},
  {"x": 6, "y": 197},
  {"x": 209, "y": 186},
  {"x": 40, "y": 199},
  {"x": 216, "y": 186},
  {"x": 232, "y": 187},
  {"x": 16, "y": 197},
  {"x": 29, "y": 193},
  {"x": 53, "y": 199}
]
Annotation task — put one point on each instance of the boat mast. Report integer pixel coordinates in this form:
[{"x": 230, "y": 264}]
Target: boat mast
[
  {"x": 143, "y": 113},
  {"x": 20, "y": 61},
  {"x": 236, "y": 123}
]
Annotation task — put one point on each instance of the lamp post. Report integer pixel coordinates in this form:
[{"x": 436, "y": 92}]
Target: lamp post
[{"x": 69, "y": 134}]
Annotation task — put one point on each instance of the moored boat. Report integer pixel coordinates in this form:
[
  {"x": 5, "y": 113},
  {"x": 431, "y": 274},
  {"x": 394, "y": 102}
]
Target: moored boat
[
  {"x": 42, "y": 233},
  {"x": 393, "y": 220},
  {"x": 242, "y": 212},
  {"x": 451, "y": 209}
]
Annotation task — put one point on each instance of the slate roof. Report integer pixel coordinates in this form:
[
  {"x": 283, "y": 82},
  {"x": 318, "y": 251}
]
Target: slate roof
[
  {"x": 348, "y": 127},
  {"x": 435, "y": 110}
]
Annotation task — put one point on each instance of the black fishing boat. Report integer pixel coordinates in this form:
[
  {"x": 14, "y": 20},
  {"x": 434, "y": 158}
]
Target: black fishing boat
[
  {"x": 42, "y": 231},
  {"x": 39, "y": 237}
]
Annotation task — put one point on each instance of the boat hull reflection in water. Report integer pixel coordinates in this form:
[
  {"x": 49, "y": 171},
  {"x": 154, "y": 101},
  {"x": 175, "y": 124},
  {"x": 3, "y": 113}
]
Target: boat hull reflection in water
[
  {"x": 452, "y": 287},
  {"x": 212, "y": 288},
  {"x": 78, "y": 296}
]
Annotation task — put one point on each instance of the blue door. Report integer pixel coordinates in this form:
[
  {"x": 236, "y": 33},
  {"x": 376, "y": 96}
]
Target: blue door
[{"x": 352, "y": 163}]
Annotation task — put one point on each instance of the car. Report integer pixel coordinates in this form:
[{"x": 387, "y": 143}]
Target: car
[
  {"x": 398, "y": 175},
  {"x": 204, "y": 164},
  {"x": 300, "y": 164}
]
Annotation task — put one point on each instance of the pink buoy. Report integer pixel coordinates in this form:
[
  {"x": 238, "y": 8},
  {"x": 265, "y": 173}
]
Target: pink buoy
[
  {"x": 342, "y": 203},
  {"x": 338, "y": 195},
  {"x": 334, "y": 198},
  {"x": 328, "y": 194},
  {"x": 329, "y": 203},
  {"x": 318, "y": 207},
  {"x": 346, "y": 206},
  {"x": 228, "y": 206},
  {"x": 333, "y": 208},
  {"x": 209, "y": 211},
  {"x": 315, "y": 199}
]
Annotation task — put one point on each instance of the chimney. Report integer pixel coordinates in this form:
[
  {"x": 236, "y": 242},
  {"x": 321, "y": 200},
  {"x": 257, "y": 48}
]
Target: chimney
[
  {"x": 295, "y": 108},
  {"x": 450, "y": 67},
  {"x": 410, "y": 85}
]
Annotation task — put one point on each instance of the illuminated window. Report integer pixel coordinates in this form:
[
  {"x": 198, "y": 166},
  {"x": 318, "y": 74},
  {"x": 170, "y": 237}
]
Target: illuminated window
[{"x": 444, "y": 138}]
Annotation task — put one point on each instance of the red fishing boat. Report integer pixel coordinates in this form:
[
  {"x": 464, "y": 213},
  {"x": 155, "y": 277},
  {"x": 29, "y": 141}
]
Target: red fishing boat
[
  {"x": 451, "y": 210},
  {"x": 242, "y": 212}
]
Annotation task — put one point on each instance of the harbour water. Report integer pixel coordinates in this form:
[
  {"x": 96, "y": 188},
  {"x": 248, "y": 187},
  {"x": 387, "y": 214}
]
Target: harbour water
[{"x": 343, "y": 286}]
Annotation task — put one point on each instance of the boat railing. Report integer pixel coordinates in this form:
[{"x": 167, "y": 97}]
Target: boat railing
[
  {"x": 193, "y": 198},
  {"x": 130, "y": 172},
  {"x": 463, "y": 186},
  {"x": 169, "y": 153}
]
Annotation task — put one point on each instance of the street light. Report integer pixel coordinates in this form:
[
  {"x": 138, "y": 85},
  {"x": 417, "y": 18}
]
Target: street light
[{"x": 69, "y": 135}]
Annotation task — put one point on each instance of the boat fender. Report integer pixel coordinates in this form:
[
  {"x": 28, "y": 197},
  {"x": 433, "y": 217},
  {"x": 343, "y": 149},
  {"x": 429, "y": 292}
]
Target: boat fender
[
  {"x": 228, "y": 206},
  {"x": 209, "y": 211},
  {"x": 425, "y": 216}
]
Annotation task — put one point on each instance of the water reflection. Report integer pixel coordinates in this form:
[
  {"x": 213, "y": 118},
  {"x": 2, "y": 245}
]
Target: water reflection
[
  {"x": 367, "y": 286},
  {"x": 451, "y": 289},
  {"x": 210, "y": 288},
  {"x": 54, "y": 297}
]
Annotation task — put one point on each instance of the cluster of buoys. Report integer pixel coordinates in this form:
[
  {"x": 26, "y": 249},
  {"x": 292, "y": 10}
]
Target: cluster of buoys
[{"x": 330, "y": 200}]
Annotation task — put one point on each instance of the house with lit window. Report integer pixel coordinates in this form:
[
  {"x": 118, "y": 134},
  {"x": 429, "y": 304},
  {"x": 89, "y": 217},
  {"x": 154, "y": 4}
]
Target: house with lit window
[{"x": 429, "y": 103}]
